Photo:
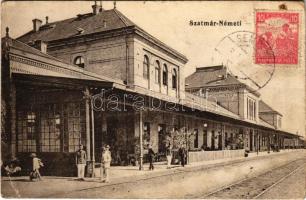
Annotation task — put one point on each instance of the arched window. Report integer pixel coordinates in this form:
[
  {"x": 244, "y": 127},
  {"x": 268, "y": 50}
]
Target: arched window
[
  {"x": 157, "y": 72},
  {"x": 79, "y": 61},
  {"x": 165, "y": 75},
  {"x": 146, "y": 67},
  {"x": 174, "y": 79}
]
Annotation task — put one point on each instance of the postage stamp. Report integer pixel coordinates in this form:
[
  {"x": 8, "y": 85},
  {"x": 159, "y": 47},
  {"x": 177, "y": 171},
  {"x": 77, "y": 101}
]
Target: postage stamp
[
  {"x": 277, "y": 35},
  {"x": 236, "y": 50}
]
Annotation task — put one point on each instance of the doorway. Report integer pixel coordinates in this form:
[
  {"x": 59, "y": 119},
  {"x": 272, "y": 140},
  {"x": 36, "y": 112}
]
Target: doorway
[
  {"x": 212, "y": 140},
  {"x": 251, "y": 140}
]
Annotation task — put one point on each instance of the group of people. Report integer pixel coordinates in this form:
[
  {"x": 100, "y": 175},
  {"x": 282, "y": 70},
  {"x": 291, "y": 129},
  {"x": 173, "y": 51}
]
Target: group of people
[
  {"x": 12, "y": 168},
  {"x": 81, "y": 161},
  {"x": 182, "y": 154},
  {"x": 106, "y": 158}
]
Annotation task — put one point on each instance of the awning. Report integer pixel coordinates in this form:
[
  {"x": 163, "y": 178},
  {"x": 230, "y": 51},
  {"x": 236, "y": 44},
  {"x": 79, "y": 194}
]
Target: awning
[{"x": 59, "y": 82}]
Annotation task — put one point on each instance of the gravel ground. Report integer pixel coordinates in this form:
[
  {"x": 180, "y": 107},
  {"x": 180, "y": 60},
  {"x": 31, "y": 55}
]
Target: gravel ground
[
  {"x": 193, "y": 184},
  {"x": 291, "y": 188},
  {"x": 294, "y": 187}
]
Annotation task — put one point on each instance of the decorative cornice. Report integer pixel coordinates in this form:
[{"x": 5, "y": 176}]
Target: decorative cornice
[
  {"x": 160, "y": 44},
  {"x": 105, "y": 60},
  {"x": 218, "y": 87},
  {"x": 42, "y": 65},
  {"x": 270, "y": 112},
  {"x": 64, "y": 70},
  {"x": 113, "y": 33}
]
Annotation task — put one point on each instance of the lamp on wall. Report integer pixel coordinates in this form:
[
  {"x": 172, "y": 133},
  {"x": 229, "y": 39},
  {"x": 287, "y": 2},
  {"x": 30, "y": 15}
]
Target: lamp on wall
[
  {"x": 205, "y": 125},
  {"x": 57, "y": 119}
]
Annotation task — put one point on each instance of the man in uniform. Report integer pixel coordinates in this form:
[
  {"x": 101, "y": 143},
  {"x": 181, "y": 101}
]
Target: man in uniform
[
  {"x": 80, "y": 159},
  {"x": 105, "y": 164}
]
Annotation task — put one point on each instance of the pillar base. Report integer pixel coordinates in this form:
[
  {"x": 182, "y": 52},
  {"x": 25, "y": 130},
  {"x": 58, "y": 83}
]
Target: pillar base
[{"x": 90, "y": 169}]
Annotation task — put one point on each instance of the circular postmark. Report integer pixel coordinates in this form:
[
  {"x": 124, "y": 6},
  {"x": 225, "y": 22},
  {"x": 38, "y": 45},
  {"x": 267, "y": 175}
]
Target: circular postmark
[{"x": 236, "y": 52}]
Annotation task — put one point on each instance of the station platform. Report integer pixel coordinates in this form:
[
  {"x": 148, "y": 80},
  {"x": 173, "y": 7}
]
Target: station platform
[{"x": 58, "y": 186}]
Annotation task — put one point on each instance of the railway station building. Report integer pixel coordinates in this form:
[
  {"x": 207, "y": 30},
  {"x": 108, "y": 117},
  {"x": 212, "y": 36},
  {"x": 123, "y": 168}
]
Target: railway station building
[{"x": 99, "y": 79}]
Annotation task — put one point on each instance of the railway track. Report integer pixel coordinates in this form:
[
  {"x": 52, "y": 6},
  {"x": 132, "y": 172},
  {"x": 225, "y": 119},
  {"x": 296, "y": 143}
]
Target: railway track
[{"x": 255, "y": 187}]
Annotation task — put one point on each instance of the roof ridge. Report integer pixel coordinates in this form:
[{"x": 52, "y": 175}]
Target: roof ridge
[
  {"x": 265, "y": 123},
  {"x": 68, "y": 18},
  {"x": 269, "y": 107},
  {"x": 50, "y": 23},
  {"x": 120, "y": 16},
  {"x": 216, "y": 67},
  {"x": 260, "y": 118},
  {"x": 65, "y": 29},
  {"x": 252, "y": 90},
  {"x": 123, "y": 18}
]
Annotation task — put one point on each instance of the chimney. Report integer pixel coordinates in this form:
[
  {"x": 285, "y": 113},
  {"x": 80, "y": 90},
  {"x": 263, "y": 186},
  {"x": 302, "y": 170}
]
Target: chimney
[
  {"x": 41, "y": 46},
  {"x": 95, "y": 8},
  {"x": 100, "y": 7},
  {"x": 36, "y": 24},
  {"x": 47, "y": 19},
  {"x": 7, "y": 30},
  {"x": 226, "y": 72}
]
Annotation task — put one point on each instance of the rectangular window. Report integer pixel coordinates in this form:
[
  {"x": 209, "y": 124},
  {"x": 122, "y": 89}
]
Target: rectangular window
[
  {"x": 174, "y": 81},
  {"x": 205, "y": 138},
  {"x": 161, "y": 137},
  {"x": 55, "y": 128},
  {"x": 146, "y": 134},
  {"x": 165, "y": 75},
  {"x": 26, "y": 128},
  {"x": 157, "y": 75},
  {"x": 164, "y": 78},
  {"x": 50, "y": 128},
  {"x": 251, "y": 109},
  {"x": 31, "y": 119},
  {"x": 145, "y": 72},
  {"x": 212, "y": 140},
  {"x": 247, "y": 109},
  {"x": 74, "y": 126},
  {"x": 254, "y": 106},
  {"x": 196, "y": 138},
  {"x": 146, "y": 67}
]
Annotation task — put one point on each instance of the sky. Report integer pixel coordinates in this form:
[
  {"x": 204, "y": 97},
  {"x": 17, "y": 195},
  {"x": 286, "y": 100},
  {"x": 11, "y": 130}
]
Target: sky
[{"x": 169, "y": 22}]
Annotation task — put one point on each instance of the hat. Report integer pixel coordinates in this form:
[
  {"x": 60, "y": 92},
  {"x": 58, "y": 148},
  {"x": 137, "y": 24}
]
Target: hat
[
  {"x": 13, "y": 158},
  {"x": 33, "y": 155}
]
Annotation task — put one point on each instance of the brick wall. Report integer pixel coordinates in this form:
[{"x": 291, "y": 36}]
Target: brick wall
[
  {"x": 106, "y": 57},
  {"x": 122, "y": 58},
  {"x": 141, "y": 48}
]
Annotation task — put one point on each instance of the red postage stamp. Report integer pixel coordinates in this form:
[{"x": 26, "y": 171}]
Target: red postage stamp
[{"x": 277, "y": 38}]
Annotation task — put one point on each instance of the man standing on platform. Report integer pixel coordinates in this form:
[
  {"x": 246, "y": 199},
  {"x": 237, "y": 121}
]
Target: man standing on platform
[
  {"x": 81, "y": 162},
  {"x": 105, "y": 164},
  {"x": 169, "y": 156},
  {"x": 183, "y": 153},
  {"x": 151, "y": 156}
]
